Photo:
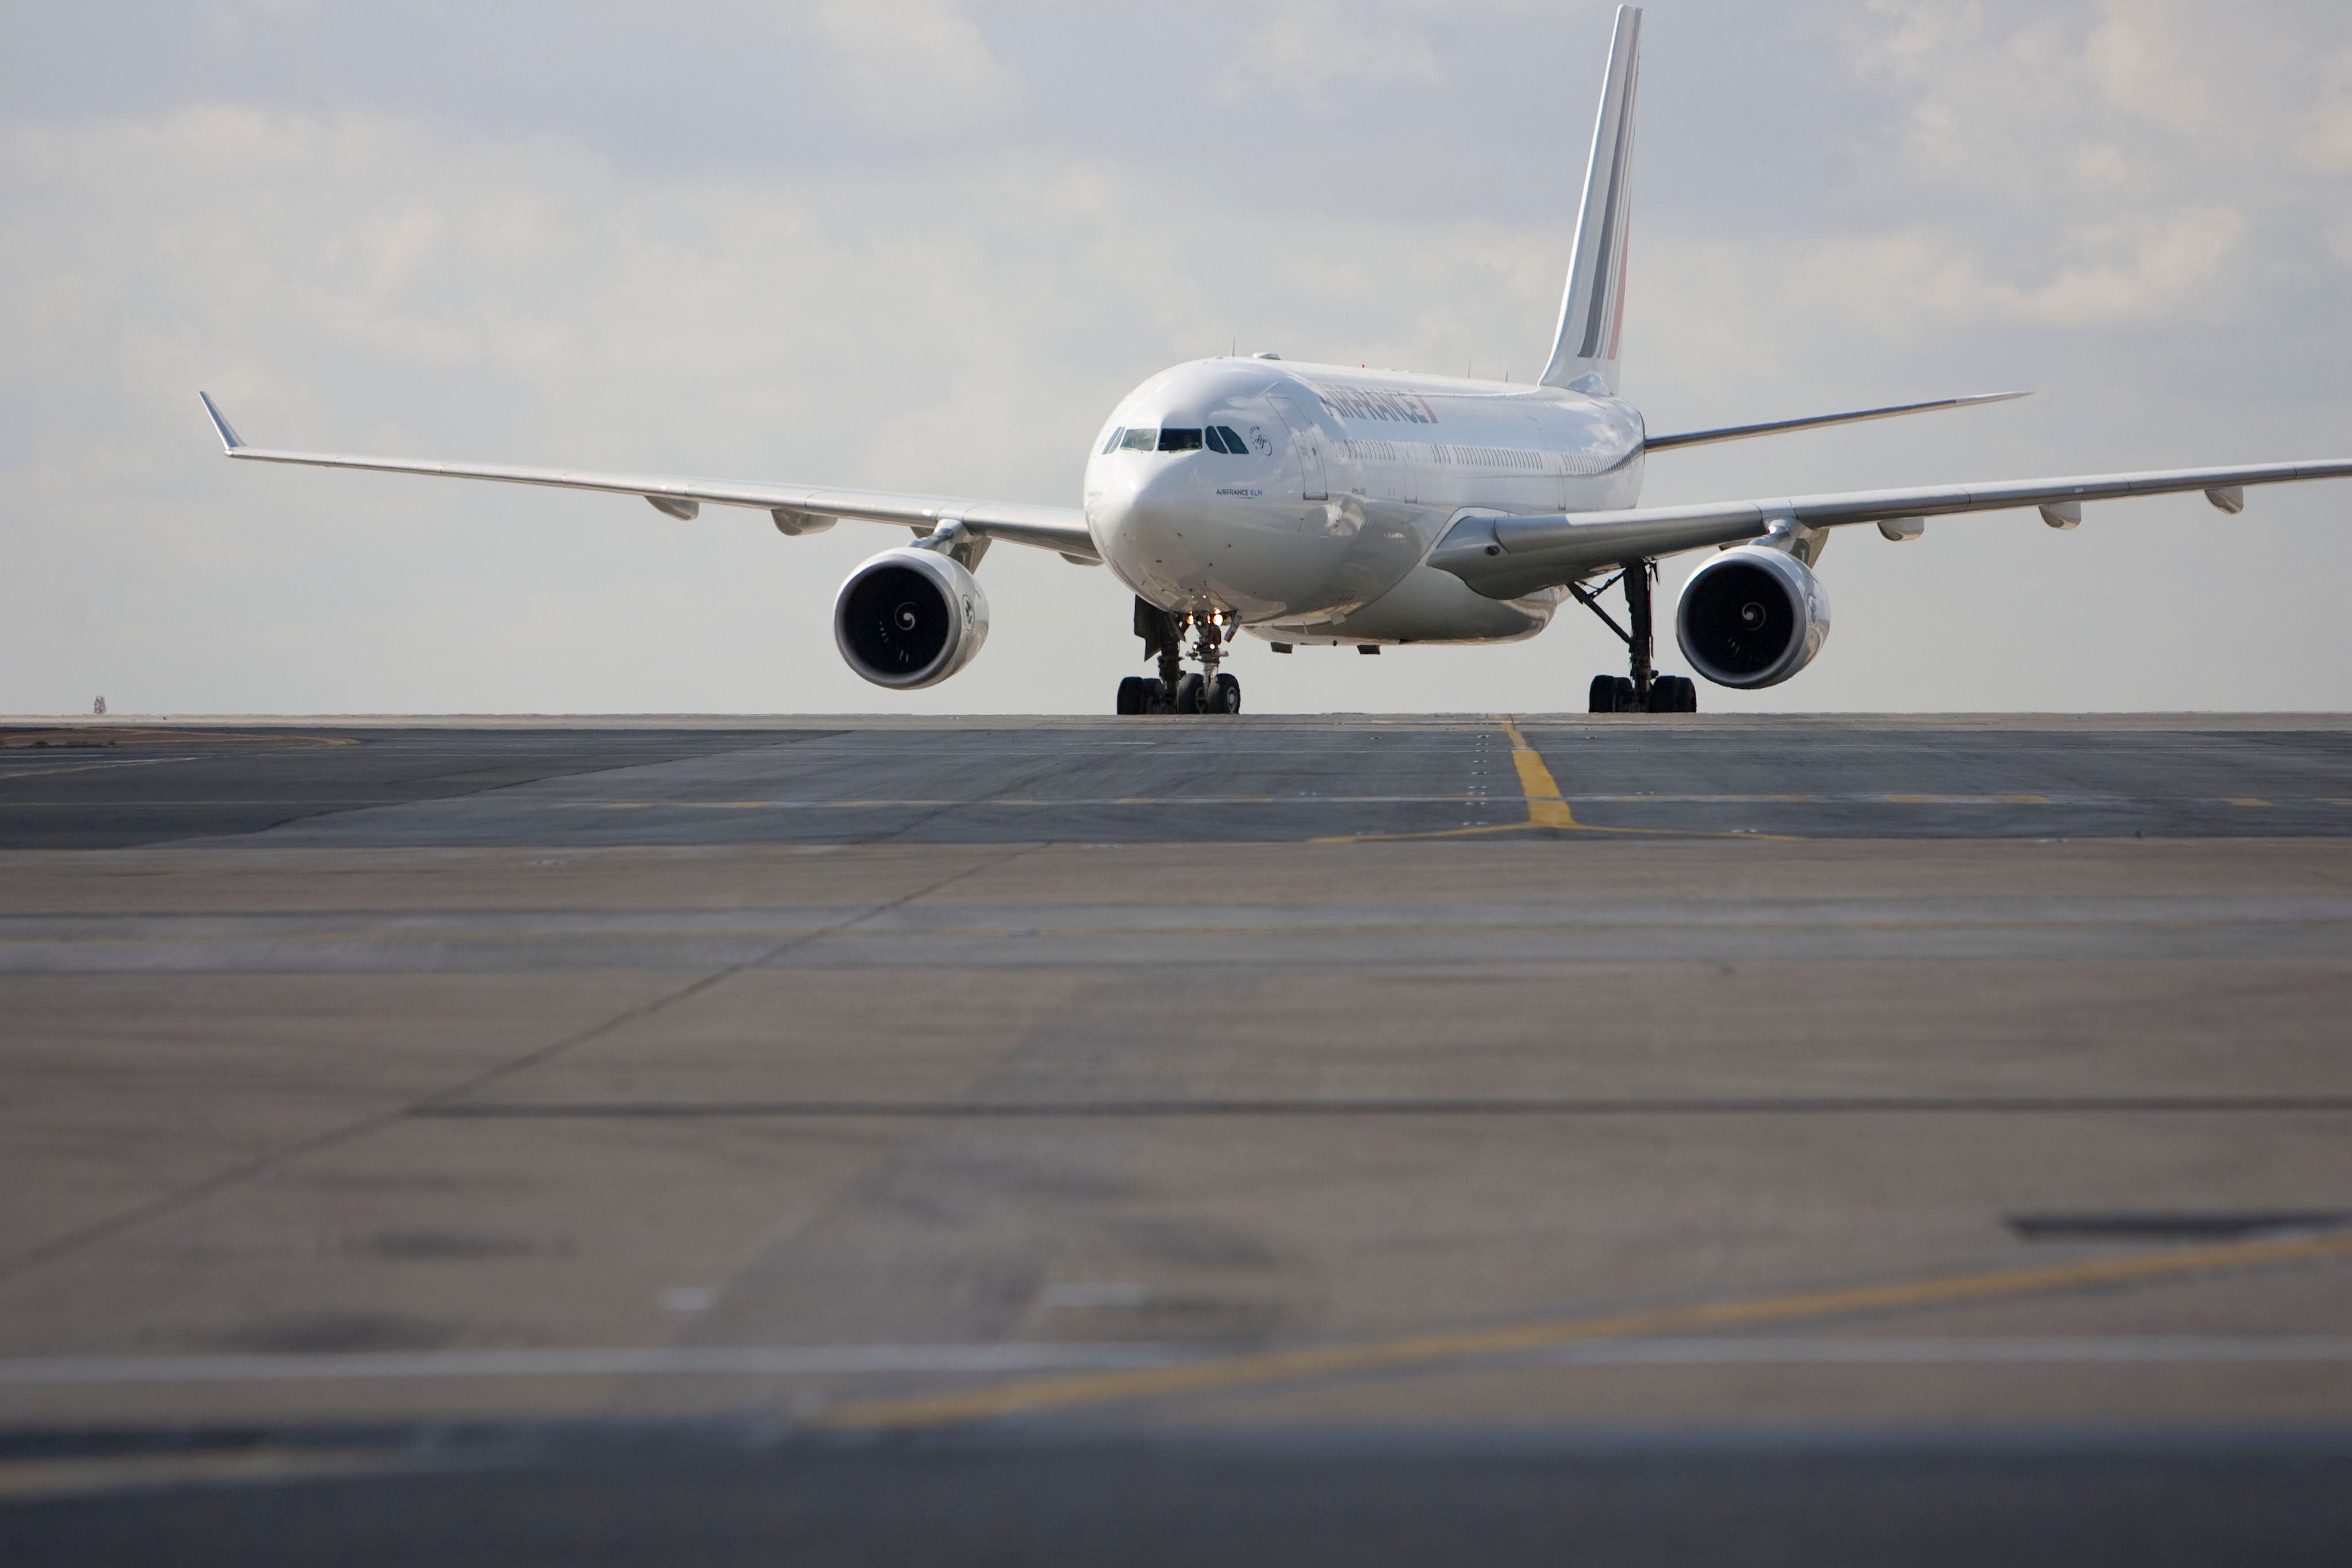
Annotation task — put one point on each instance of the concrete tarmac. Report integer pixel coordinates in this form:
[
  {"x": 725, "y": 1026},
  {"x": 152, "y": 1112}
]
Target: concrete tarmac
[{"x": 1673, "y": 1094}]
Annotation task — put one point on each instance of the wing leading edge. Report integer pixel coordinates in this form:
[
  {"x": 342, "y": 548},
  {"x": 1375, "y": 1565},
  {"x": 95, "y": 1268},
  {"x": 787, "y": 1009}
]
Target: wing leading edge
[
  {"x": 797, "y": 509},
  {"x": 1504, "y": 557}
]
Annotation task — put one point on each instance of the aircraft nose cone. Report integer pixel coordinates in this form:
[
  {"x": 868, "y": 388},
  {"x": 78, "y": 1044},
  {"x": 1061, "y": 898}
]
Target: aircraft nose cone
[
  {"x": 1148, "y": 517},
  {"x": 1137, "y": 510}
]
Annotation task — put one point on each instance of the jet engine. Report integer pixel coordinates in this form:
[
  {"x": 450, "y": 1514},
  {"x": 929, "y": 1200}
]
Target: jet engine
[
  {"x": 910, "y": 618},
  {"x": 1751, "y": 617}
]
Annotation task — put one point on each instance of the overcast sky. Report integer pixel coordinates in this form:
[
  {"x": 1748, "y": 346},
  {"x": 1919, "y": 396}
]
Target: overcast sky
[{"x": 922, "y": 244}]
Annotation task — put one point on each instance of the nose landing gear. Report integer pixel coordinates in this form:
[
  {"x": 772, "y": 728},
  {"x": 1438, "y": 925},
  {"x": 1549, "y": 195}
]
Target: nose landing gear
[
  {"x": 1645, "y": 690},
  {"x": 1175, "y": 689}
]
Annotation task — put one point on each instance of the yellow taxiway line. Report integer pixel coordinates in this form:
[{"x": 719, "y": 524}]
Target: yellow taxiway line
[
  {"x": 1547, "y": 807},
  {"x": 1034, "y": 1395}
]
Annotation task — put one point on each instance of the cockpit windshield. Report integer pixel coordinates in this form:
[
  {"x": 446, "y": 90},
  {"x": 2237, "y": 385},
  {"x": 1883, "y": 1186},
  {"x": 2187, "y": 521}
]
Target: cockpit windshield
[{"x": 1178, "y": 438}]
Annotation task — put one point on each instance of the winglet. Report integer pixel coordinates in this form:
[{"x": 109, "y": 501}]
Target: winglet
[{"x": 230, "y": 441}]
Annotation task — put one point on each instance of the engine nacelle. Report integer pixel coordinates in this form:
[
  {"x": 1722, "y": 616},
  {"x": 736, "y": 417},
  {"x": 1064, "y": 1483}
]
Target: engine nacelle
[
  {"x": 910, "y": 618},
  {"x": 1751, "y": 617}
]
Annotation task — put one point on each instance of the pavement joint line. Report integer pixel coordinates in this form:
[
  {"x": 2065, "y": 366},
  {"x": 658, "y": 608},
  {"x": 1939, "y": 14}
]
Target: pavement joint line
[
  {"x": 871, "y": 1359},
  {"x": 555, "y": 770},
  {"x": 1639, "y": 798},
  {"x": 1262, "y": 1368},
  {"x": 1015, "y": 1110},
  {"x": 850, "y": 1359},
  {"x": 171, "y": 1202},
  {"x": 1989, "y": 1350},
  {"x": 87, "y": 767},
  {"x": 1644, "y": 797},
  {"x": 1289, "y": 797},
  {"x": 26, "y": 1480},
  {"x": 403, "y": 934},
  {"x": 901, "y": 834}
]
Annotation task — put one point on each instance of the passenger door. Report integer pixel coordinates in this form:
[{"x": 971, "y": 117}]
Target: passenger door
[{"x": 1309, "y": 440}]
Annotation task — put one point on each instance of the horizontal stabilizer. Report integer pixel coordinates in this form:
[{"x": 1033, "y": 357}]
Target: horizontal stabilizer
[{"x": 1815, "y": 422}]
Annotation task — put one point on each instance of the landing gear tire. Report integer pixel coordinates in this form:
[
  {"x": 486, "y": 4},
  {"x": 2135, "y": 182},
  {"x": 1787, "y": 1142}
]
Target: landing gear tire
[
  {"x": 1674, "y": 694},
  {"x": 1173, "y": 690},
  {"x": 1611, "y": 694},
  {"x": 1668, "y": 693}
]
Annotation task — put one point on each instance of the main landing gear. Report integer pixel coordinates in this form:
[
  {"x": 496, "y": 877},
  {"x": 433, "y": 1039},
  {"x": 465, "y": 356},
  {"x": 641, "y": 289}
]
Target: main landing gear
[
  {"x": 1646, "y": 691},
  {"x": 1176, "y": 689}
]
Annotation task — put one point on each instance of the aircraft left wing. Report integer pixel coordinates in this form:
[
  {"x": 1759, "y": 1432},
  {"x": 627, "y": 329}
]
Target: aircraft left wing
[
  {"x": 797, "y": 509},
  {"x": 1506, "y": 556}
]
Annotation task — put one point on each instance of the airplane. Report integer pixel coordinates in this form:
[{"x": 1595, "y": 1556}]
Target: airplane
[{"x": 1335, "y": 506}]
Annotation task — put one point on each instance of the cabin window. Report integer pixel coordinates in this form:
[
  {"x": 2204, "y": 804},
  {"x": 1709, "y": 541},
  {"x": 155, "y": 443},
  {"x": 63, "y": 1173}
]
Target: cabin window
[
  {"x": 1139, "y": 440},
  {"x": 1174, "y": 440}
]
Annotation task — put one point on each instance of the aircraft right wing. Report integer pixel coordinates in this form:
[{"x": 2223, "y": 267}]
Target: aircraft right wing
[
  {"x": 1504, "y": 557},
  {"x": 796, "y": 508}
]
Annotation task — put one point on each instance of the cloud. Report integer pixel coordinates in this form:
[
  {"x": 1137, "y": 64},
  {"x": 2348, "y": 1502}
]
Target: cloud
[
  {"x": 2123, "y": 276},
  {"x": 1722, "y": 326},
  {"x": 2326, "y": 143},
  {"x": 2136, "y": 56},
  {"x": 2028, "y": 99},
  {"x": 2326, "y": 140},
  {"x": 1310, "y": 47},
  {"x": 1750, "y": 308},
  {"x": 908, "y": 64},
  {"x": 2101, "y": 163}
]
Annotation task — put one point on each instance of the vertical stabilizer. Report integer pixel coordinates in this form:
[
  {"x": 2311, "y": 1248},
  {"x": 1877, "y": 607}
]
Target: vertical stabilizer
[{"x": 1584, "y": 354}]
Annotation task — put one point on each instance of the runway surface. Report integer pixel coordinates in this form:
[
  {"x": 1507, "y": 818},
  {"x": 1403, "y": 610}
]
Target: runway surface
[
  {"x": 1078, "y": 781},
  {"x": 1734, "y": 1137}
]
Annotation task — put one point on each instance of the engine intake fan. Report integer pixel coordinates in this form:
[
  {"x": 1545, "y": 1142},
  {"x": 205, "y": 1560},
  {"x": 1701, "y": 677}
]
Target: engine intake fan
[
  {"x": 910, "y": 618},
  {"x": 1751, "y": 617}
]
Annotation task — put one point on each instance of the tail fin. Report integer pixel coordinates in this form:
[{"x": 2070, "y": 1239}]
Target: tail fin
[{"x": 1585, "y": 355}]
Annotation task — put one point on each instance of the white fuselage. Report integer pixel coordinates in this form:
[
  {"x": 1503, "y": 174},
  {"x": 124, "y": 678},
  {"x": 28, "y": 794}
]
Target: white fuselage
[{"x": 1317, "y": 531}]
